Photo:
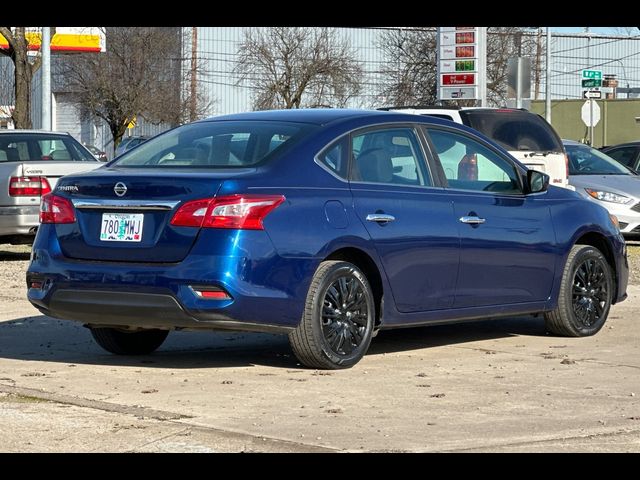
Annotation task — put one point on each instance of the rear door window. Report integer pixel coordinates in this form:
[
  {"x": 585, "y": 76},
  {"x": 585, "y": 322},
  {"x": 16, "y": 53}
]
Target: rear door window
[{"x": 391, "y": 156}]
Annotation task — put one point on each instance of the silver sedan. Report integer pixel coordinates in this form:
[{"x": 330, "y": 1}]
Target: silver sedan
[{"x": 601, "y": 179}]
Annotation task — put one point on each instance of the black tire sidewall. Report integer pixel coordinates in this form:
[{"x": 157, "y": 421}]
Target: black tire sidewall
[
  {"x": 584, "y": 254},
  {"x": 331, "y": 276}
]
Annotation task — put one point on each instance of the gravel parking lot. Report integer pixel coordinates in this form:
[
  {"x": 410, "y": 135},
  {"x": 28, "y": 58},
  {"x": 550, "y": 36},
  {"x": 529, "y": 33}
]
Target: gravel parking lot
[{"x": 498, "y": 386}]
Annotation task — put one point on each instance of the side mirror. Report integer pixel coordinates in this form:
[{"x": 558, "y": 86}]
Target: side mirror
[{"x": 537, "y": 181}]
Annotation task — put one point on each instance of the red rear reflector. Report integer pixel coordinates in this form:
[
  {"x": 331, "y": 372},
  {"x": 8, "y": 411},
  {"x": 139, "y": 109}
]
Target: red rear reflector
[
  {"x": 215, "y": 295},
  {"x": 245, "y": 212},
  {"x": 211, "y": 293},
  {"x": 36, "y": 285},
  {"x": 55, "y": 209},
  {"x": 28, "y": 186}
]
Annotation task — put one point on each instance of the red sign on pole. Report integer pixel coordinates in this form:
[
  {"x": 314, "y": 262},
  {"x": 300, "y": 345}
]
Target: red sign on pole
[
  {"x": 466, "y": 37},
  {"x": 465, "y": 51},
  {"x": 464, "y": 79}
]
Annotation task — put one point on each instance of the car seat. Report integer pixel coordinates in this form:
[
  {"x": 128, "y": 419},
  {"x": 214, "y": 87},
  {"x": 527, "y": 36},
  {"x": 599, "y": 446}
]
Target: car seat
[
  {"x": 375, "y": 165},
  {"x": 60, "y": 155}
]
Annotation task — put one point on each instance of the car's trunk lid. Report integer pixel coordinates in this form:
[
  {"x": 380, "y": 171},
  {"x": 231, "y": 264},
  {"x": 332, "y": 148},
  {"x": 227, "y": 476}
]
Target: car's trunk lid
[{"x": 124, "y": 215}]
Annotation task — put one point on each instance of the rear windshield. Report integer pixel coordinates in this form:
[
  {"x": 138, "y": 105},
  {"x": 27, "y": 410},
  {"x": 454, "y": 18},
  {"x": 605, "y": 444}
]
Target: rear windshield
[
  {"x": 584, "y": 160},
  {"x": 514, "y": 130},
  {"x": 215, "y": 144},
  {"x": 32, "y": 147}
]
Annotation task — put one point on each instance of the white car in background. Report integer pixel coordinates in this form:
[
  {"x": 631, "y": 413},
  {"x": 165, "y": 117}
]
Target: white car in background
[
  {"x": 601, "y": 179},
  {"x": 525, "y": 135}
]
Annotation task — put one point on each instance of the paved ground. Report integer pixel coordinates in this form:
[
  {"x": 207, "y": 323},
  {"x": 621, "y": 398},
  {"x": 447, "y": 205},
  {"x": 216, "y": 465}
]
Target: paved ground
[{"x": 497, "y": 386}]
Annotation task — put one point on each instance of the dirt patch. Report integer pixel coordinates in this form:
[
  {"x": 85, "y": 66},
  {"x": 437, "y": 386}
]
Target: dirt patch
[{"x": 633, "y": 249}]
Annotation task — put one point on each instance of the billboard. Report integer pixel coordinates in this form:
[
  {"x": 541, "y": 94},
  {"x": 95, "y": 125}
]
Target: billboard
[{"x": 66, "y": 39}]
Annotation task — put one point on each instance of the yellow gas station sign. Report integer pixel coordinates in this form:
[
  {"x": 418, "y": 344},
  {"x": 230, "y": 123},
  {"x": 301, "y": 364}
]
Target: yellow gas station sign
[{"x": 66, "y": 39}]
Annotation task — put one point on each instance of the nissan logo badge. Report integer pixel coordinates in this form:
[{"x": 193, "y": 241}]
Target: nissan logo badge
[{"x": 120, "y": 189}]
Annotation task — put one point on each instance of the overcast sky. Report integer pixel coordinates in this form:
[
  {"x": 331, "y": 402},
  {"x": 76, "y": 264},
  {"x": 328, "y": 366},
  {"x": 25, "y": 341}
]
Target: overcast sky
[{"x": 602, "y": 30}]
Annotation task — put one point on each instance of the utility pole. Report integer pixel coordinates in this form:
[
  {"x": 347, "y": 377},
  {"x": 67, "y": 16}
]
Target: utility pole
[
  {"x": 45, "y": 47},
  {"x": 547, "y": 108},
  {"x": 193, "y": 101},
  {"x": 537, "y": 67}
]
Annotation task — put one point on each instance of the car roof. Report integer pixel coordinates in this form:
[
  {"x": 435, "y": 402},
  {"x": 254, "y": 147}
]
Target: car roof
[
  {"x": 634, "y": 143},
  {"x": 450, "y": 108},
  {"x": 33, "y": 131},
  {"x": 318, "y": 116}
]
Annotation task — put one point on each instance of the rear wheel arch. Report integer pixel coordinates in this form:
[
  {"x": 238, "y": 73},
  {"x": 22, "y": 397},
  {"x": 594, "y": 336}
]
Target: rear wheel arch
[{"x": 364, "y": 262}]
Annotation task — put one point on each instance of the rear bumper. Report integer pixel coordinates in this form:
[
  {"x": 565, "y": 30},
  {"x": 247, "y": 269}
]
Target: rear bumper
[
  {"x": 267, "y": 291},
  {"x": 120, "y": 309},
  {"x": 19, "y": 220}
]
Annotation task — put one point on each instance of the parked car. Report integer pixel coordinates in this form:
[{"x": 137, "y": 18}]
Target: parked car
[
  {"x": 628, "y": 154},
  {"x": 349, "y": 223},
  {"x": 31, "y": 162},
  {"x": 599, "y": 178},
  {"x": 127, "y": 143},
  {"x": 525, "y": 135},
  {"x": 96, "y": 152}
]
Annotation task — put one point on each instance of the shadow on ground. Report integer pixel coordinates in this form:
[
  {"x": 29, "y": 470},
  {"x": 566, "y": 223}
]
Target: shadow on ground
[
  {"x": 12, "y": 256},
  {"x": 41, "y": 338}
]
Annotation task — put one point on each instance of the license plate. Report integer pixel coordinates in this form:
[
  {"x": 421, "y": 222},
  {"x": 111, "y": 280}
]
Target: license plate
[{"x": 121, "y": 227}]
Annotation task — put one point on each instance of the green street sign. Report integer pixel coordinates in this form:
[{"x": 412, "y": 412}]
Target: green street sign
[
  {"x": 591, "y": 83},
  {"x": 592, "y": 74}
]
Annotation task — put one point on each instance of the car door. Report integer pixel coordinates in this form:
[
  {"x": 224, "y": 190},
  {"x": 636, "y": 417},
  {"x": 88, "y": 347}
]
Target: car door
[
  {"x": 506, "y": 237},
  {"x": 412, "y": 226}
]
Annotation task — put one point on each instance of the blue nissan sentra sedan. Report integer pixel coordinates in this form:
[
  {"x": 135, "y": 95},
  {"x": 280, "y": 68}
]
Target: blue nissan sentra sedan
[{"x": 326, "y": 225}]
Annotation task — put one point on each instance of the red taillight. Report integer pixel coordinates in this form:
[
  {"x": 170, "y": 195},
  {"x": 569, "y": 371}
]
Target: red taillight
[
  {"x": 244, "y": 212},
  {"x": 55, "y": 209},
  {"x": 28, "y": 186},
  {"x": 191, "y": 214}
]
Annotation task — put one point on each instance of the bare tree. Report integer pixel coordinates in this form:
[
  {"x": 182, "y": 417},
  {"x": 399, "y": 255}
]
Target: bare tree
[
  {"x": 411, "y": 66},
  {"x": 292, "y": 67},
  {"x": 410, "y": 70},
  {"x": 629, "y": 31},
  {"x": 24, "y": 71},
  {"x": 141, "y": 73},
  {"x": 504, "y": 43}
]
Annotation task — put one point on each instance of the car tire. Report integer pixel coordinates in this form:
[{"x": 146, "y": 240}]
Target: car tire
[
  {"x": 337, "y": 324},
  {"x": 586, "y": 293},
  {"x": 123, "y": 342}
]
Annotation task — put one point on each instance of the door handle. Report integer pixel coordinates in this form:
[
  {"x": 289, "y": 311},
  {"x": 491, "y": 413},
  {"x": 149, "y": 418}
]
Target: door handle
[
  {"x": 472, "y": 220},
  {"x": 380, "y": 218}
]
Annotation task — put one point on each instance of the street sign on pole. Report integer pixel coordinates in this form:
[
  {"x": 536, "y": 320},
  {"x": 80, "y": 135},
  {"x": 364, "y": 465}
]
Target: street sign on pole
[
  {"x": 590, "y": 114},
  {"x": 590, "y": 117},
  {"x": 591, "y": 83},
  {"x": 592, "y": 74},
  {"x": 592, "y": 94}
]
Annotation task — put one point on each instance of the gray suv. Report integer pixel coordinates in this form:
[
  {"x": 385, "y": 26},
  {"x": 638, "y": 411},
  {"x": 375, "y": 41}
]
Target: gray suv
[{"x": 31, "y": 162}]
